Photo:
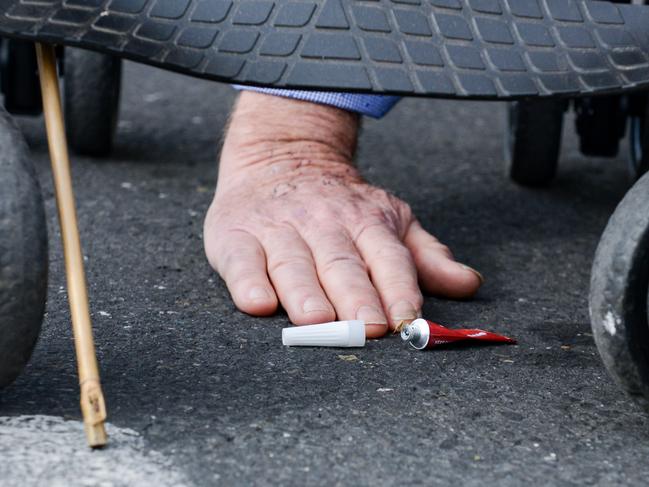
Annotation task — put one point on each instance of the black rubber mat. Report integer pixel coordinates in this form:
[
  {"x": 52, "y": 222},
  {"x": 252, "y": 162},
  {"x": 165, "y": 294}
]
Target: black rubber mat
[{"x": 491, "y": 49}]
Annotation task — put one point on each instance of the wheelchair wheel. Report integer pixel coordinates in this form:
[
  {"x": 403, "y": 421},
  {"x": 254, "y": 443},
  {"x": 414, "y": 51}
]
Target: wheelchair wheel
[
  {"x": 639, "y": 144},
  {"x": 92, "y": 88},
  {"x": 619, "y": 289},
  {"x": 600, "y": 124},
  {"x": 23, "y": 253},
  {"x": 533, "y": 140},
  {"x": 19, "y": 77}
]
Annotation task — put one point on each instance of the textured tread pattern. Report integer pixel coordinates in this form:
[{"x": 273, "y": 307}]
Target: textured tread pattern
[
  {"x": 23, "y": 252},
  {"x": 487, "y": 49}
]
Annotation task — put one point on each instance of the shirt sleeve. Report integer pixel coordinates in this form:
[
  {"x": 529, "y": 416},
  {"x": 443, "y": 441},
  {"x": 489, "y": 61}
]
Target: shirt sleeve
[{"x": 375, "y": 106}]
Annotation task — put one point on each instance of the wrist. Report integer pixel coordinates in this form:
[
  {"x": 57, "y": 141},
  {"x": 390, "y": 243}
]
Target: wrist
[{"x": 266, "y": 130}]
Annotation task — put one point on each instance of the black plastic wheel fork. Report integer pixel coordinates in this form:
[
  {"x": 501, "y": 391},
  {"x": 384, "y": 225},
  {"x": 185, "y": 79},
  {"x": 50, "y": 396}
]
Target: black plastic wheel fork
[{"x": 481, "y": 49}]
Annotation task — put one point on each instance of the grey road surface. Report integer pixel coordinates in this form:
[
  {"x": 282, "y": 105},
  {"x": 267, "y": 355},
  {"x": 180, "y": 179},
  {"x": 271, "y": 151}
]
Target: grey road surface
[{"x": 200, "y": 394}]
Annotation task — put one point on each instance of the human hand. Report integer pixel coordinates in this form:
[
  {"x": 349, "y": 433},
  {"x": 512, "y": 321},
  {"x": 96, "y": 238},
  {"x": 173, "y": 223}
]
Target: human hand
[{"x": 293, "y": 221}]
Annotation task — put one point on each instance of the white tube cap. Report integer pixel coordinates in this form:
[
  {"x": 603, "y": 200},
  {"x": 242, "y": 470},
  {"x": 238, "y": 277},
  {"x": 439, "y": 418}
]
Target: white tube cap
[{"x": 334, "y": 334}]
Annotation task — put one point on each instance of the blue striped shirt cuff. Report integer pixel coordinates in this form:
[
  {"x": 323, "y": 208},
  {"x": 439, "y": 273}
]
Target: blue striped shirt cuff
[{"x": 371, "y": 105}]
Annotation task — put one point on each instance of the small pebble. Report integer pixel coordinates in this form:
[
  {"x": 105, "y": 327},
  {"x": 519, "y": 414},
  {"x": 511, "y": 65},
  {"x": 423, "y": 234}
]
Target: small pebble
[{"x": 348, "y": 358}]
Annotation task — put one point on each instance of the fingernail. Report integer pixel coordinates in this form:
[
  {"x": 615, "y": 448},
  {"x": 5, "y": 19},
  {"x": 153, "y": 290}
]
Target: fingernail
[
  {"x": 402, "y": 313},
  {"x": 480, "y": 276},
  {"x": 259, "y": 293},
  {"x": 403, "y": 310},
  {"x": 371, "y": 316},
  {"x": 315, "y": 304}
]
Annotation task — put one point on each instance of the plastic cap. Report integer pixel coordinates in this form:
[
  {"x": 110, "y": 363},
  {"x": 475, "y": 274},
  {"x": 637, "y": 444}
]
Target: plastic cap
[{"x": 334, "y": 334}]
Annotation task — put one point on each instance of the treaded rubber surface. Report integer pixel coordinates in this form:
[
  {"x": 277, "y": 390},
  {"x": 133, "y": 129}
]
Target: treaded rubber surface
[
  {"x": 92, "y": 88},
  {"x": 23, "y": 253},
  {"x": 618, "y": 292},
  {"x": 488, "y": 49}
]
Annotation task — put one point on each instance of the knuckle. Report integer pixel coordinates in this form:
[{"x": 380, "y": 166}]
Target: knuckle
[
  {"x": 303, "y": 288},
  {"x": 418, "y": 299},
  {"x": 405, "y": 207},
  {"x": 393, "y": 252},
  {"x": 400, "y": 286},
  {"x": 396, "y": 277},
  {"x": 330, "y": 235},
  {"x": 232, "y": 256},
  {"x": 287, "y": 262},
  {"x": 376, "y": 215},
  {"x": 444, "y": 250},
  {"x": 404, "y": 210},
  {"x": 334, "y": 261},
  {"x": 361, "y": 294},
  {"x": 238, "y": 257},
  {"x": 377, "y": 220},
  {"x": 413, "y": 296},
  {"x": 244, "y": 276}
]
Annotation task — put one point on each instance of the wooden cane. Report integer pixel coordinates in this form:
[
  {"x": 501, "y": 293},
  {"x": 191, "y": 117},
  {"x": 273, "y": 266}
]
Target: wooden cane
[{"x": 93, "y": 407}]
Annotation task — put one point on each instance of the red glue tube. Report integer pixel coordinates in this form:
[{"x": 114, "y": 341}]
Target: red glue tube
[{"x": 423, "y": 334}]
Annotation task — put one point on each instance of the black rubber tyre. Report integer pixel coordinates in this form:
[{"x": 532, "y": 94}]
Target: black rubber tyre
[
  {"x": 600, "y": 125},
  {"x": 92, "y": 87},
  {"x": 533, "y": 140},
  {"x": 23, "y": 253},
  {"x": 639, "y": 145},
  {"x": 19, "y": 76},
  {"x": 618, "y": 292}
]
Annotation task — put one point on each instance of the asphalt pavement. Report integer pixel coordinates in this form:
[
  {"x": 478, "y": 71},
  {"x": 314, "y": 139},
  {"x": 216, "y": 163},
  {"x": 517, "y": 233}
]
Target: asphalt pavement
[{"x": 201, "y": 394}]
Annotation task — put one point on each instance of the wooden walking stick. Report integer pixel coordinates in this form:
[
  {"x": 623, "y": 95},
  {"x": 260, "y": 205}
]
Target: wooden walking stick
[{"x": 93, "y": 407}]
